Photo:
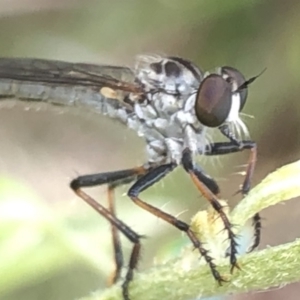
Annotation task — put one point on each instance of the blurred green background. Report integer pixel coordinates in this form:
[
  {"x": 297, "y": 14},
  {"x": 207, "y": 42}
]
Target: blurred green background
[{"x": 52, "y": 246}]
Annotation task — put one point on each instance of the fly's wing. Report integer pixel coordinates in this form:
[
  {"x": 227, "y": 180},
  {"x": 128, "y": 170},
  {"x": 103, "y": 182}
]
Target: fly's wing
[{"x": 96, "y": 87}]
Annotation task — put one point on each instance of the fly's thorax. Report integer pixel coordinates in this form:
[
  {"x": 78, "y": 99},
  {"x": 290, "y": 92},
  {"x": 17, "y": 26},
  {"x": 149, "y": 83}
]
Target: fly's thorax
[
  {"x": 166, "y": 115},
  {"x": 170, "y": 149},
  {"x": 170, "y": 86},
  {"x": 172, "y": 75},
  {"x": 171, "y": 129}
]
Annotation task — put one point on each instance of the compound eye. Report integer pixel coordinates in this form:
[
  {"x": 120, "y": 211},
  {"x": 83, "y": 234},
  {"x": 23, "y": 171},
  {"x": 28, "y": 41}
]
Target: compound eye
[
  {"x": 213, "y": 101},
  {"x": 236, "y": 78}
]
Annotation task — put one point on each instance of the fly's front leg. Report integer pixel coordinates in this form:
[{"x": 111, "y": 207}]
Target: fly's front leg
[
  {"x": 232, "y": 146},
  {"x": 209, "y": 189},
  {"x": 112, "y": 179},
  {"x": 145, "y": 182}
]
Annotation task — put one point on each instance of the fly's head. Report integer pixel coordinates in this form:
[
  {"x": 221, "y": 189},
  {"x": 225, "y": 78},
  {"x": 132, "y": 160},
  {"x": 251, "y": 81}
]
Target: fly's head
[{"x": 221, "y": 97}]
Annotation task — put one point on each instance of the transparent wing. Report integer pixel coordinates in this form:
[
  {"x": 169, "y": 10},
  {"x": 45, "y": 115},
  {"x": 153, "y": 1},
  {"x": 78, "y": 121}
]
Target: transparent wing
[{"x": 66, "y": 84}]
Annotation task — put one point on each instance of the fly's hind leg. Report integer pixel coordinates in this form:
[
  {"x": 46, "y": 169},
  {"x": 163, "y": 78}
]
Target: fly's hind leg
[
  {"x": 112, "y": 179},
  {"x": 116, "y": 242}
]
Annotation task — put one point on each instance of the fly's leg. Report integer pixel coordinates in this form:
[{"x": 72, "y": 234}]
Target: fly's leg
[
  {"x": 232, "y": 146},
  {"x": 113, "y": 179},
  {"x": 142, "y": 184},
  {"x": 118, "y": 253},
  {"x": 256, "y": 221},
  {"x": 198, "y": 176}
]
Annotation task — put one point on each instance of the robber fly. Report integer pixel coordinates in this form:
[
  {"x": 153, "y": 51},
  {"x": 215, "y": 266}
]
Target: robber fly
[{"x": 167, "y": 100}]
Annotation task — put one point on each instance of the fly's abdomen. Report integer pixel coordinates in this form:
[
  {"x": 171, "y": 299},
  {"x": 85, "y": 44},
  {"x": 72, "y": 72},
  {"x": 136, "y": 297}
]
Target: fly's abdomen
[{"x": 65, "y": 96}]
